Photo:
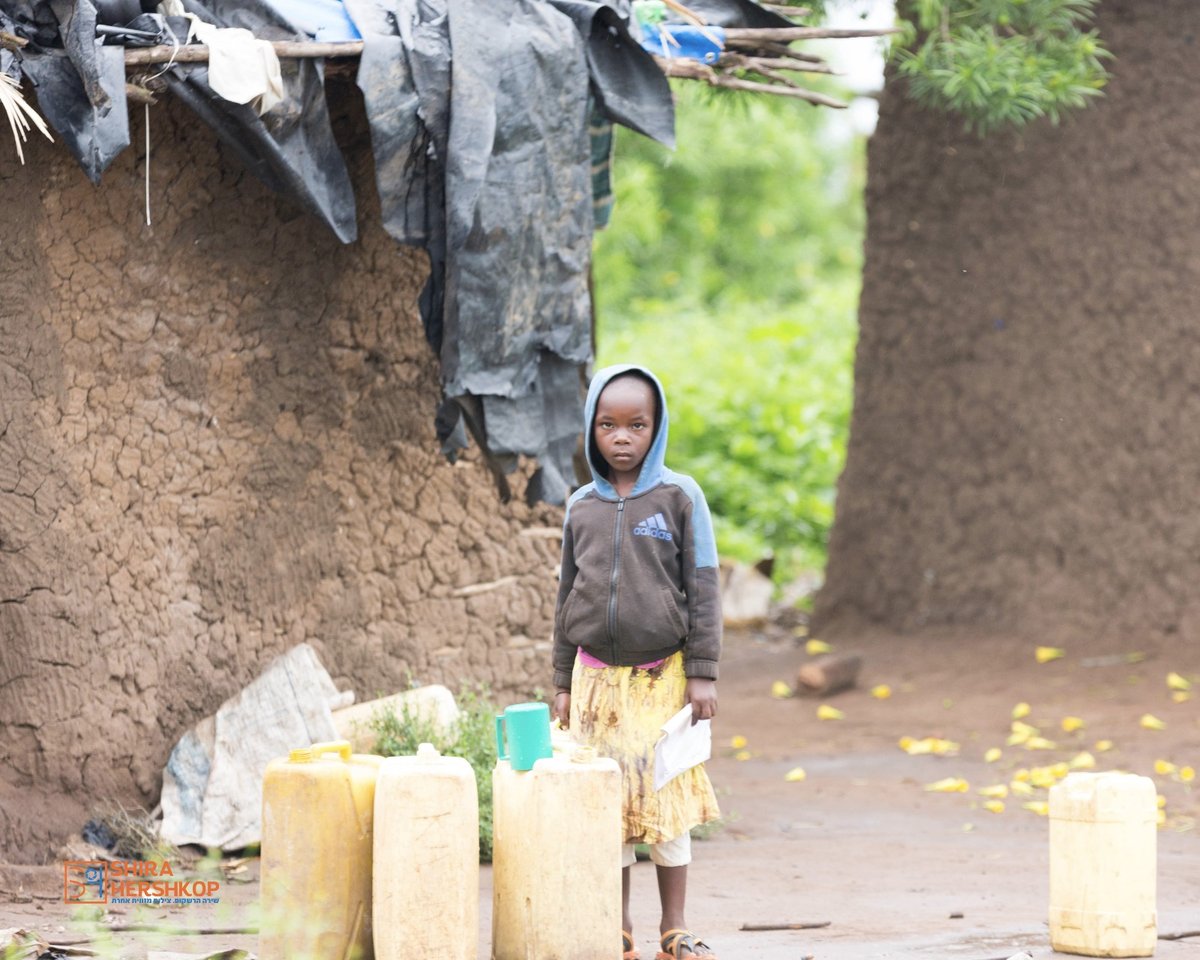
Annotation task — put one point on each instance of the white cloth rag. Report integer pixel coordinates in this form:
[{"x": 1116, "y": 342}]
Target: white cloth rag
[{"x": 241, "y": 68}]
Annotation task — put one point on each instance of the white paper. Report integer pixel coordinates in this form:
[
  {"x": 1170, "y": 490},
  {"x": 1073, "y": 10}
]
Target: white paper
[{"x": 682, "y": 746}]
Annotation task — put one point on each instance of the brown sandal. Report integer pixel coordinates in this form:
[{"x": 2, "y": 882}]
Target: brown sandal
[
  {"x": 629, "y": 950},
  {"x": 680, "y": 944}
]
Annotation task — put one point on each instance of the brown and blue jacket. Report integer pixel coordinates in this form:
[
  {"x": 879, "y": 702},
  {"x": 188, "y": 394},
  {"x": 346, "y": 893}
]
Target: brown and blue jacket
[{"x": 639, "y": 577}]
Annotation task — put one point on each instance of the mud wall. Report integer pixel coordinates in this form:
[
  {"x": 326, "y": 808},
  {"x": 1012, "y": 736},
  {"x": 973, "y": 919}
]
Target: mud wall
[
  {"x": 1023, "y": 452},
  {"x": 216, "y": 441}
]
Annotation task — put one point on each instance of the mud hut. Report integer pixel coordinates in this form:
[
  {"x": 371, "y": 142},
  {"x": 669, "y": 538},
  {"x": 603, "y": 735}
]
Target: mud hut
[{"x": 217, "y": 440}]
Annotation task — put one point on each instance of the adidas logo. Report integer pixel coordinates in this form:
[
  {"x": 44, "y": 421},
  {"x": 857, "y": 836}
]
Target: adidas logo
[{"x": 653, "y": 526}]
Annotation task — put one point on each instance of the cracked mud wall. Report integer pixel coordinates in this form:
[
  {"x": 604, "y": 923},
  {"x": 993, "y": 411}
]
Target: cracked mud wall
[
  {"x": 1023, "y": 452},
  {"x": 216, "y": 441}
]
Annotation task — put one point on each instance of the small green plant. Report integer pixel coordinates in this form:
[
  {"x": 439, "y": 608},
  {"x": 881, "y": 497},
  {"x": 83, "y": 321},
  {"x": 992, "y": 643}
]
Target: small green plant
[{"x": 399, "y": 733}]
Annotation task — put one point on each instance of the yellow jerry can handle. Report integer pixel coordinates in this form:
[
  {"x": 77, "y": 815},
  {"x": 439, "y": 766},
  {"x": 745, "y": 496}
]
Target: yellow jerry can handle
[{"x": 317, "y": 750}]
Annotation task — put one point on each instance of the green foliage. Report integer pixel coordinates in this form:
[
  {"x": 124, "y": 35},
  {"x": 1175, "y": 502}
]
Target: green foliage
[
  {"x": 732, "y": 270},
  {"x": 473, "y": 737},
  {"x": 1001, "y": 62}
]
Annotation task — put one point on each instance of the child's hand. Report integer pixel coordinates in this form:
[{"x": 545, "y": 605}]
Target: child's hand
[
  {"x": 561, "y": 711},
  {"x": 702, "y": 695}
]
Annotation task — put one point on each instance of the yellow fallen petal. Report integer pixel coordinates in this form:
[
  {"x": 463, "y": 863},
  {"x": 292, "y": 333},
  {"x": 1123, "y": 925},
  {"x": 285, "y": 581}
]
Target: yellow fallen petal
[
  {"x": 949, "y": 785},
  {"x": 1164, "y": 767},
  {"x": 780, "y": 690},
  {"x": 814, "y": 646},
  {"x": 1177, "y": 682},
  {"x": 881, "y": 691},
  {"x": 1071, "y": 724},
  {"x": 1161, "y": 818},
  {"x": 1039, "y": 743},
  {"x": 826, "y": 712},
  {"x": 737, "y": 742},
  {"x": 1161, "y": 801},
  {"x": 1020, "y": 789},
  {"x": 1046, "y": 654},
  {"x": 998, "y": 792},
  {"x": 1180, "y": 696},
  {"x": 1040, "y": 807},
  {"x": 994, "y": 806},
  {"x": 1042, "y": 777},
  {"x": 1083, "y": 761},
  {"x": 1021, "y": 732},
  {"x": 1187, "y": 774},
  {"x": 994, "y": 754},
  {"x": 795, "y": 775},
  {"x": 742, "y": 755},
  {"x": 1103, "y": 746},
  {"x": 1021, "y": 710},
  {"x": 928, "y": 745},
  {"x": 1021, "y": 774},
  {"x": 1151, "y": 722},
  {"x": 800, "y": 631}
]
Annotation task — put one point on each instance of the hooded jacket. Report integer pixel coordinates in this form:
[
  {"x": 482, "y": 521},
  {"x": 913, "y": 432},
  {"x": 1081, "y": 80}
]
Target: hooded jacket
[{"x": 639, "y": 574}]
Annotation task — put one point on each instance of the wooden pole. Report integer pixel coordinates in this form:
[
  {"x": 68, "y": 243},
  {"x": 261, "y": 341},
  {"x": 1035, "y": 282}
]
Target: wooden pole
[
  {"x": 788, "y": 34},
  {"x": 198, "y": 52}
]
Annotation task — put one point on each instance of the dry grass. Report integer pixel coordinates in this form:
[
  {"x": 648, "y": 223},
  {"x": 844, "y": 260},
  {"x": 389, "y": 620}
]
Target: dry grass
[{"x": 21, "y": 116}]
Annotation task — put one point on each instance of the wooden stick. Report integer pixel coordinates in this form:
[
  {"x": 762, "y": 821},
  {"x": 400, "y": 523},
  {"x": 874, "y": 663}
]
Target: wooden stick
[
  {"x": 741, "y": 61},
  {"x": 10, "y": 41},
  {"x": 138, "y": 94},
  {"x": 180, "y": 931},
  {"x": 788, "y": 34},
  {"x": 1183, "y": 935},
  {"x": 782, "y": 50},
  {"x": 813, "y": 925},
  {"x": 694, "y": 70},
  {"x": 198, "y": 52},
  {"x": 786, "y": 11},
  {"x": 476, "y": 588},
  {"x": 684, "y": 12},
  {"x": 828, "y": 674}
]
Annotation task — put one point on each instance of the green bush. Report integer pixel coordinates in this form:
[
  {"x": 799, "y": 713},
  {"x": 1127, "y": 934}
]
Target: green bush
[
  {"x": 732, "y": 269},
  {"x": 473, "y": 737}
]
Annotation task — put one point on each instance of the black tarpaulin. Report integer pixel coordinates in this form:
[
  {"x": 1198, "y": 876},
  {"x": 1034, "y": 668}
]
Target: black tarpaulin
[
  {"x": 94, "y": 135},
  {"x": 629, "y": 87},
  {"x": 290, "y": 148},
  {"x": 479, "y": 125},
  {"x": 80, "y": 85},
  {"x": 737, "y": 13}
]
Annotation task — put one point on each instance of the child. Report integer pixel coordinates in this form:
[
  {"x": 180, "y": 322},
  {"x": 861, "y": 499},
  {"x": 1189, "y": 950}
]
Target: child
[{"x": 638, "y": 629}]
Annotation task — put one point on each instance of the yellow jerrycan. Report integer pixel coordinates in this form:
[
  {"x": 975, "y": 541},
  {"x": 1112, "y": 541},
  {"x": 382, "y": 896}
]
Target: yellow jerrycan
[
  {"x": 1103, "y": 859},
  {"x": 426, "y": 858},
  {"x": 318, "y": 806},
  {"x": 556, "y": 859}
]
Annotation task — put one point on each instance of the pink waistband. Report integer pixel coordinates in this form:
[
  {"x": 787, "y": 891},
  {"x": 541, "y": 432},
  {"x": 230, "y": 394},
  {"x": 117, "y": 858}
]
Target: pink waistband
[{"x": 589, "y": 661}]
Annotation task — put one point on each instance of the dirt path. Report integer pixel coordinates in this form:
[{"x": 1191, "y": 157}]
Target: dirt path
[{"x": 859, "y": 842}]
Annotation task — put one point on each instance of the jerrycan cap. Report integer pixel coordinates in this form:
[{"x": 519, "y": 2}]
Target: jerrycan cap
[
  {"x": 584, "y": 754},
  {"x": 318, "y": 750},
  {"x": 427, "y": 751}
]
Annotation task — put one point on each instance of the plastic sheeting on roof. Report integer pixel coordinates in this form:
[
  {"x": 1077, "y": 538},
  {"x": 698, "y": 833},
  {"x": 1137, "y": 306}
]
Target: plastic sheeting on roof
[{"x": 479, "y": 121}]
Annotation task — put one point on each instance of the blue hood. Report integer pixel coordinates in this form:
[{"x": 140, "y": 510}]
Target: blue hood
[{"x": 652, "y": 467}]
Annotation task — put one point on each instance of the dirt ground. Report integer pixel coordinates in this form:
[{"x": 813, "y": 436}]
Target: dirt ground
[{"x": 895, "y": 870}]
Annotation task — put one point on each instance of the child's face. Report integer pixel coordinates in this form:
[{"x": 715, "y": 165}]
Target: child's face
[{"x": 624, "y": 425}]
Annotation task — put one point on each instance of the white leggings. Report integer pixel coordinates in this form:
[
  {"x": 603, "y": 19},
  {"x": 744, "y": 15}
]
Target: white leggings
[{"x": 671, "y": 853}]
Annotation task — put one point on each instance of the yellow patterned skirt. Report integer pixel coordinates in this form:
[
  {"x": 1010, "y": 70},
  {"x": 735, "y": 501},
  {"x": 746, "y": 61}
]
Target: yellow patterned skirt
[{"x": 619, "y": 710}]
